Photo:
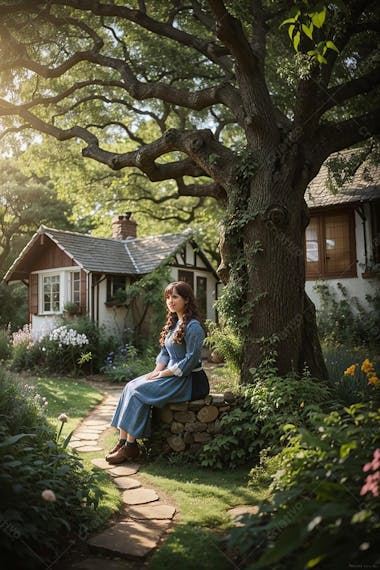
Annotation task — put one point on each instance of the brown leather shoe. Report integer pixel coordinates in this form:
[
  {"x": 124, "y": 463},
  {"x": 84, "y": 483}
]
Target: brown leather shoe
[
  {"x": 123, "y": 454},
  {"x": 114, "y": 449}
]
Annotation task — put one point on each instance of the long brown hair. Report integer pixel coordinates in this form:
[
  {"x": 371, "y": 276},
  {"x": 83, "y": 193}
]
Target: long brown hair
[{"x": 191, "y": 312}]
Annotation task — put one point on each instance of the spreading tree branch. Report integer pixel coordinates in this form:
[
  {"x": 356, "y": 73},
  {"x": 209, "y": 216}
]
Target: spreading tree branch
[{"x": 333, "y": 137}]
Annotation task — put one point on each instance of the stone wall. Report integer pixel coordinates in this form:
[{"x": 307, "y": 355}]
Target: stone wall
[{"x": 188, "y": 425}]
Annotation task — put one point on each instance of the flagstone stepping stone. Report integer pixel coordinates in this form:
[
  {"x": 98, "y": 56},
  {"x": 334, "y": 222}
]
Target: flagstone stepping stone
[
  {"x": 121, "y": 470},
  {"x": 139, "y": 496},
  {"x": 154, "y": 511},
  {"x": 80, "y": 443},
  {"x": 127, "y": 482},
  {"x": 238, "y": 512},
  {"x": 95, "y": 423},
  {"x": 88, "y": 448},
  {"x": 87, "y": 435},
  {"x": 130, "y": 538},
  {"x": 91, "y": 429},
  {"x": 101, "y": 463}
]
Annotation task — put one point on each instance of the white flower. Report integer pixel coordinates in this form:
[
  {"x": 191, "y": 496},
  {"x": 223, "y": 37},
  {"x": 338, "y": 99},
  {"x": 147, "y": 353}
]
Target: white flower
[{"x": 313, "y": 523}]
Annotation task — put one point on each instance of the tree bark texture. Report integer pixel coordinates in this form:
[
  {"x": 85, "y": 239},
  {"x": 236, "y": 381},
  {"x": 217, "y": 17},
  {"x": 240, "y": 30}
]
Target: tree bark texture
[{"x": 266, "y": 257}]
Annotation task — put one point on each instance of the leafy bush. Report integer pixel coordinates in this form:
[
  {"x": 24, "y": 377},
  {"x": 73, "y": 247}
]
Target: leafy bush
[
  {"x": 226, "y": 342},
  {"x": 5, "y": 347},
  {"x": 99, "y": 342},
  {"x": 125, "y": 364},
  {"x": 346, "y": 321},
  {"x": 324, "y": 508},
  {"x": 78, "y": 344},
  {"x": 264, "y": 407},
  {"x": 13, "y": 305},
  {"x": 46, "y": 496}
]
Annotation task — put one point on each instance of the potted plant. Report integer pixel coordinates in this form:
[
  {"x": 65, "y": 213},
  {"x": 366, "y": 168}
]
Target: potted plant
[{"x": 70, "y": 309}]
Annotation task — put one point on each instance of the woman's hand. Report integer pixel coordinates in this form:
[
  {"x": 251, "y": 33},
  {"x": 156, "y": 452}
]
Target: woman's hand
[{"x": 153, "y": 375}]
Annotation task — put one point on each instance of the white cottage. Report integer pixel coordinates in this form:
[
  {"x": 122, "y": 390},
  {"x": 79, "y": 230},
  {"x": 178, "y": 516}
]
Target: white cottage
[
  {"x": 343, "y": 236},
  {"x": 61, "y": 267}
]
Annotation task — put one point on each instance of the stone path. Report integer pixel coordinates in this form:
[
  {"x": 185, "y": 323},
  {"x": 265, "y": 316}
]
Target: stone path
[{"x": 144, "y": 519}]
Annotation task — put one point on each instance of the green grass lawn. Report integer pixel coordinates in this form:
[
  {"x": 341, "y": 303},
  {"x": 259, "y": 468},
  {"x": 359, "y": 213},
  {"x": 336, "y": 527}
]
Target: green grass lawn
[
  {"x": 202, "y": 499},
  {"x": 69, "y": 396}
]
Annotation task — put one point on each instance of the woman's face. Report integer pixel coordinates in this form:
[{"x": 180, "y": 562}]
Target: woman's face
[{"x": 175, "y": 303}]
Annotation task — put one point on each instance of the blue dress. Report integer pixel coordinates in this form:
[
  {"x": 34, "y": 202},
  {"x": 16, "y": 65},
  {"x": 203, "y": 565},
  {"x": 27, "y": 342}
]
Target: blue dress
[{"x": 132, "y": 413}]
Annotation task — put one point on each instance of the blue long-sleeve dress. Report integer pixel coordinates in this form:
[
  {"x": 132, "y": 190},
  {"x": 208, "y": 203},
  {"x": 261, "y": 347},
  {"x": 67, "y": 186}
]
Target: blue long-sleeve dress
[{"x": 132, "y": 413}]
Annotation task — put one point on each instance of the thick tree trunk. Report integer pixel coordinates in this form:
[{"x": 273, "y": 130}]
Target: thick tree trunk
[{"x": 265, "y": 256}]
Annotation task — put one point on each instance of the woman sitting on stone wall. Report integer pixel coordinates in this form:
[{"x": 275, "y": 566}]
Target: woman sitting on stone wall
[{"x": 177, "y": 377}]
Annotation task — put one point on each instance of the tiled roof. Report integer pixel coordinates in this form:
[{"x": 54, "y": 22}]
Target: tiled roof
[
  {"x": 92, "y": 253},
  {"x": 133, "y": 256},
  {"x": 364, "y": 186}
]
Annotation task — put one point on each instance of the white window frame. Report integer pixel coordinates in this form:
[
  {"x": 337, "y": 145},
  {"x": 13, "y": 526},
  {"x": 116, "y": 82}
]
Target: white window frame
[{"x": 65, "y": 287}]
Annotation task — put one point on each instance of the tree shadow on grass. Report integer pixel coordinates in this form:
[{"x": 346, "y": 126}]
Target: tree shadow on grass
[{"x": 190, "y": 548}]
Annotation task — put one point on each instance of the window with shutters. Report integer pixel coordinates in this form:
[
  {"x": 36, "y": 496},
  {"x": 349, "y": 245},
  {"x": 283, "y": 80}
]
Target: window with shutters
[{"x": 330, "y": 249}]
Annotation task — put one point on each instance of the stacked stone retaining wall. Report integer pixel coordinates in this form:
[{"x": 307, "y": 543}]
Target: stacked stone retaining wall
[{"x": 189, "y": 425}]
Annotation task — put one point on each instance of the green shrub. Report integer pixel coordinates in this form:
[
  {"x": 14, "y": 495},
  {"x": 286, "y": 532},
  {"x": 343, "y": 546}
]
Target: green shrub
[
  {"x": 264, "y": 408},
  {"x": 225, "y": 341},
  {"x": 5, "y": 347},
  {"x": 125, "y": 364},
  {"x": 13, "y": 305},
  {"x": 46, "y": 496},
  {"x": 346, "y": 321},
  {"x": 76, "y": 345},
  {"x": 324, "y": 511},
  {"x": 99, "y": 342}
]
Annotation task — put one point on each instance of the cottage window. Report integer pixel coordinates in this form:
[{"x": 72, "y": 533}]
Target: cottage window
[
  {"x": 330, "y": 246},
  {"x": 201, "y": 295},
  {"x": 115, "y": 283},
  {"x": 75, "y": 287},
  {"x": 51, "y": 285},
  {"x": 187, "y": 277}
]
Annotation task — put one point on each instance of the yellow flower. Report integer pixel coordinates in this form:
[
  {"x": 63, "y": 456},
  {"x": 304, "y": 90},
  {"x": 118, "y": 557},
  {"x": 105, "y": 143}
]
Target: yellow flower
[
  {"x": 374, "y": 380},
  {"x": 366, "y": 366},
  {"x": 350, "y": 370}
]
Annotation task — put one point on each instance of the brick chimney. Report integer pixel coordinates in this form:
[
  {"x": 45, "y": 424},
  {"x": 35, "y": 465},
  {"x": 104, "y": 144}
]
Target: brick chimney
[{"x": 124, "y": 227}]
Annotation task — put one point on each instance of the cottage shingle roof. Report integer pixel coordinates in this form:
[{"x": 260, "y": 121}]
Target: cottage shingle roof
[
  {"x": 133, "y": 256},
  {"x": 363, "y": 187}
]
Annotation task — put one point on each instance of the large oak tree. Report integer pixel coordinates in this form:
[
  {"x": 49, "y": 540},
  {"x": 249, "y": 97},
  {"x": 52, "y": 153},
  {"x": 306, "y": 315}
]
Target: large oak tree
[{"x": 213, "y": 96}]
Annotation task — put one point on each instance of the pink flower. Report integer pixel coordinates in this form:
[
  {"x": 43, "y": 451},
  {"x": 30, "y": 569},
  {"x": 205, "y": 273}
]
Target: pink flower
[
  {"x": 63, "y": 418},
  {"x": 371, "y": 484},
  {"x": 375, "y": 463},
  {"x": 49, "y": 496}
]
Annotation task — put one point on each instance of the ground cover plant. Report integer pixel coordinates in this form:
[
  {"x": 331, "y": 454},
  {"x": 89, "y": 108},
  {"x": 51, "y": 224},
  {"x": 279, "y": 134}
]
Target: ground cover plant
[
  {"x": 47, "y": 498},
  {"x": 262, "y": 409},
  {"x": 324, "y": 502}
]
